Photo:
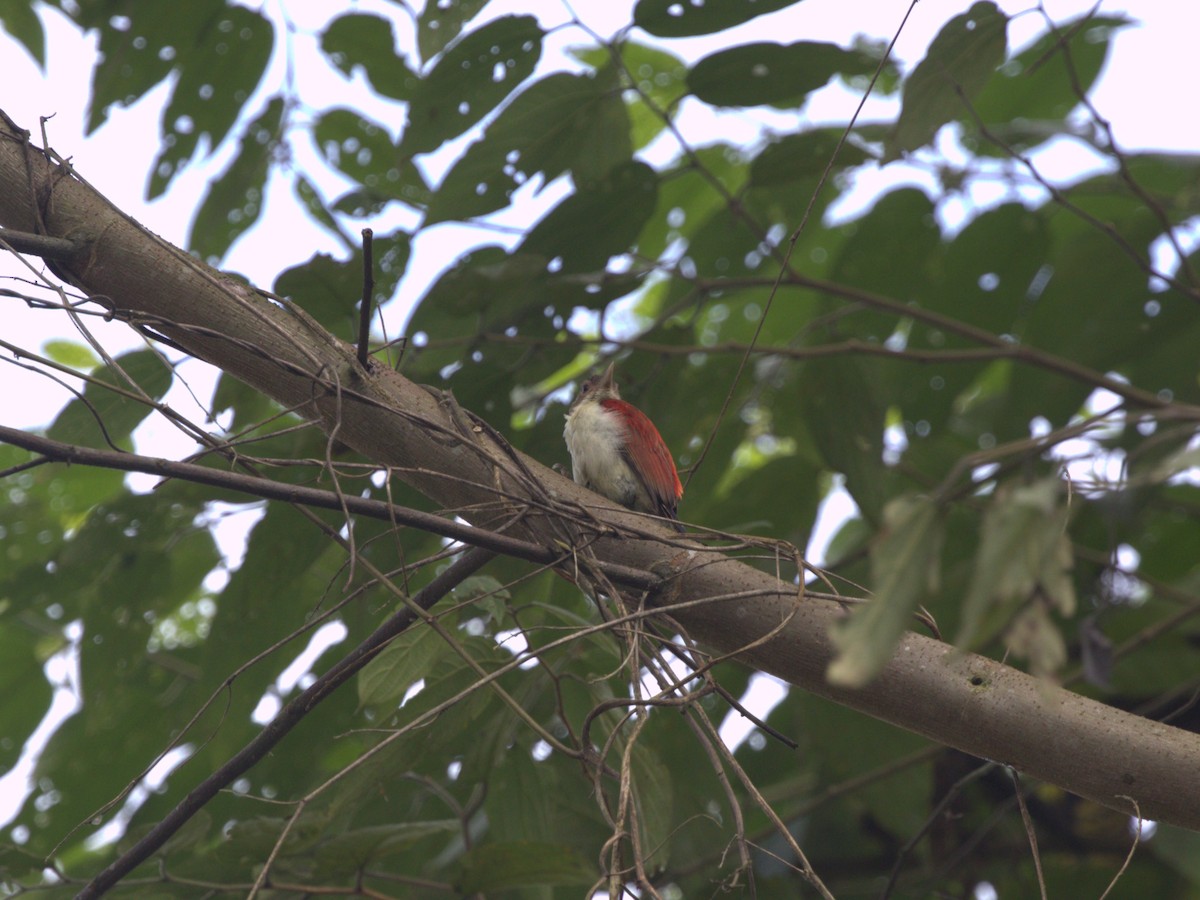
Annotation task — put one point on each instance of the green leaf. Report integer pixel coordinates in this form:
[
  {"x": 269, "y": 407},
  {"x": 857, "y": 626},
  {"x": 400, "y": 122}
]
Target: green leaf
[
  {"x": 470, "y": 79},
  {"x": 1044, "y": 81},
  {"x": 363, "y": 150},
  {"x": 140, "y": 48},
  {"x": 891, "y": 251},
  {"x": 672, "y": 18},
  {"x": 563, "y": 122},
  {"x": 237, "y": 43},
  {"x": 478, "y": 279},
  {"x": 234, "y": 202},
  {"x": 385, "y": 680},
  {"x": 653, "y": 787},
  {"x": 1094, "y": 312},
  {"x": 772, "y": 74},
  {"x": 349, "y": 853},
  {"x": 601, "y": 219},
  {"x": 687, "y": 198},
  {"x": 960, "y": 61},
  {"x": 356, "y": 146},
  {"x": 662, "y": 78},
  {"x": 440, "y": 23},
  {"x": 659, "y": 80},
  {"x": 523, "y": 800},
  {"x": 904, "y": 560},
  {"x": 802, "y": 156},
  {"x": 71, "y": 353},
  {"x": 840, "y": 404},
  {"x": 500, "y": 865},
  {"x": 330, "y": 290},
  {"x": 359, "y": 40},
  {"x": 25, "y": 688},
  {"x": 249, "y": 406},
  {"x": 847, "y": 745},
  {"x": 1023, "y": 545},
  {"x": 38, "y": 506},
  {"x": 311, "y": 199},
  {"x": 1182, "y": 460},
  {"x": 848, "y": 541},
  {"x": 22, "y": 23},
  {"x": 103, "y": 418}
]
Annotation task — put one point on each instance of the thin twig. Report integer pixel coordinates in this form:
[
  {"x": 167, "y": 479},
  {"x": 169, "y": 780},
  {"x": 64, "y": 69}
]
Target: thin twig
[
  {"x": 1030, "y": 831},
  {"x": 1137, "y": 839},
  {"x": 368, "y": 298}
]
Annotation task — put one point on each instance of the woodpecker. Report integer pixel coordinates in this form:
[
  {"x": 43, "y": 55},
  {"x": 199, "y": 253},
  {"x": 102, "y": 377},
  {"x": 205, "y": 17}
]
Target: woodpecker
[{"x": 617, "y": 452}]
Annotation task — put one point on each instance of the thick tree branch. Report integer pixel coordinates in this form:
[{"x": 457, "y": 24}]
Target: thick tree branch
[{"x": 965, "y": 701}]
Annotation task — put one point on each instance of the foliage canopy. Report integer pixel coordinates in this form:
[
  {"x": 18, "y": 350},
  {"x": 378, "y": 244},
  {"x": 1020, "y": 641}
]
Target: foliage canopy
[{"x": 1010, "y": 401}]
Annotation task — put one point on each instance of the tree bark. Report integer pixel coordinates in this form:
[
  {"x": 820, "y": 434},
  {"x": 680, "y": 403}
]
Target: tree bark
[{"x": 965, "y": 701}]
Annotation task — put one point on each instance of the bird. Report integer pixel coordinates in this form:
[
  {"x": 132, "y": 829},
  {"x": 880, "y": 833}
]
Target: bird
[{"x": 617, "y": 452}]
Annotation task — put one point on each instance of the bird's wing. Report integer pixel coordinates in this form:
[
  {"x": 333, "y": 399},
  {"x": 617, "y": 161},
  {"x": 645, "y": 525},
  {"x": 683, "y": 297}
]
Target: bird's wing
[{"x": 651, "y": 460}]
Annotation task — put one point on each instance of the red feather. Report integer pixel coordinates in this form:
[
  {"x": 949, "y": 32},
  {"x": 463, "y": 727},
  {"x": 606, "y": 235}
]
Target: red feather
[{"x": 648, "y": 456}]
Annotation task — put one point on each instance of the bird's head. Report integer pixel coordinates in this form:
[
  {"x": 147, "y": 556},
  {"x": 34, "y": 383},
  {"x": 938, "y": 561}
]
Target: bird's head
[{"x": 598, "y": 388}]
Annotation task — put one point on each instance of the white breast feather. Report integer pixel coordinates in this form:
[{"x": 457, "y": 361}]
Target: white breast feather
[{"x": 595, "y": 437}]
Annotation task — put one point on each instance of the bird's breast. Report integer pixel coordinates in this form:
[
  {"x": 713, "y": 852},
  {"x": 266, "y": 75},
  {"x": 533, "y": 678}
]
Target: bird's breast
[{"x": 596, "y": 438}]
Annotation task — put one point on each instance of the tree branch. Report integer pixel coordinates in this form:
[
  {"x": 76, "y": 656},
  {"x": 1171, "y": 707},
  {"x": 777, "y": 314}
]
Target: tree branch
[{"x": 39, "y": 244}]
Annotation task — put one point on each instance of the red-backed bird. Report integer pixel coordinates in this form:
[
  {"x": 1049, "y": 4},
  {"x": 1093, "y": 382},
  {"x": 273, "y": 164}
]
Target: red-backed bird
[{"x": 617, "y": 452}]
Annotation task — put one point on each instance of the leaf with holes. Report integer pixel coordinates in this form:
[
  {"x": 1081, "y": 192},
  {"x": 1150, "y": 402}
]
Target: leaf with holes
[
  {"x": 473, "y": 76},
  {"x": 441, "y": 21},
  {"x": 237, "y": 44},
  {"x": 564, "y": 122},
  {"x": 140, "y": 48},
  {"x": 363, "y": 150},
  {"x": 356, "y": 146},
  {"x": 234, "y": 201}
]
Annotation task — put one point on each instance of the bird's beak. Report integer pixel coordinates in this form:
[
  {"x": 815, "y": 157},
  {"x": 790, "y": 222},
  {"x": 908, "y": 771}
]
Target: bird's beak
[{"x": 606, "y": 382}]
